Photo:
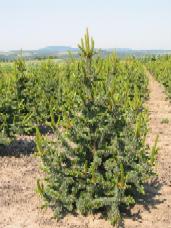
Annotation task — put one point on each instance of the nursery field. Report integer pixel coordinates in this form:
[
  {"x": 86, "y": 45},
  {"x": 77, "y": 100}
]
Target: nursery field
[{"x": 85, "y": 142}]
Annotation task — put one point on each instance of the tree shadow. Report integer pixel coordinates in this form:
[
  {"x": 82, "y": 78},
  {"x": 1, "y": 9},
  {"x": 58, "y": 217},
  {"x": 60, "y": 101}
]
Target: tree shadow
[
  {"x": 45, "y": 130},
  {"x": 145, "y": 202},
  {"x": 23, "y": 145}
]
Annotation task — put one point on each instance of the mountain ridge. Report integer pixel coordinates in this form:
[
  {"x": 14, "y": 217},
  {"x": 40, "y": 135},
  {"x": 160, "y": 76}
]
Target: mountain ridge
[{"x": 61, "y": 51}]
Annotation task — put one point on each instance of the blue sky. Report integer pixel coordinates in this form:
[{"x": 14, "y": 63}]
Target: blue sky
[{"x": 138, "y": 24}]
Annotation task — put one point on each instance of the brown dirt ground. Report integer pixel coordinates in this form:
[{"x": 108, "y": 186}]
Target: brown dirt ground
[{"x": 20, "y": 205}]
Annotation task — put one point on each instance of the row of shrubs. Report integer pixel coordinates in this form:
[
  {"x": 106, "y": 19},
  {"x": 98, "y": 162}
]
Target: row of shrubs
[
  {"x": 28, "y": 93},
  {"x": 97, "y": 159},
  {"x": 161, "y": 69}
]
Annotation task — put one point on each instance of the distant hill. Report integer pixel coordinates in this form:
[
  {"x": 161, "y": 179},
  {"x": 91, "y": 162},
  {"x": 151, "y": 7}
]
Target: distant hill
[
  {"x": 61, "y": 52},
  {"x": 49, "y": 51},
  {"x": 57, "y": 49}
]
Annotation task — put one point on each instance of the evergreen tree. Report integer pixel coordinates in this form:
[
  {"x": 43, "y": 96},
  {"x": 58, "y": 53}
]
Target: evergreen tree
[{"x": 99, "y": 156}]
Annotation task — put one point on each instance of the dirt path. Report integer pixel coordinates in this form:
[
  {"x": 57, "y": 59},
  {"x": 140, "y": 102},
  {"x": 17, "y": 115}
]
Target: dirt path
[
  {"x": 155, "y": 212},
  {"x": 20, "y": 206}
]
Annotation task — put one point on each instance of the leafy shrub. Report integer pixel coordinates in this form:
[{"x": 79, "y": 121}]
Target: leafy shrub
[{"x": 98, "y": 158}]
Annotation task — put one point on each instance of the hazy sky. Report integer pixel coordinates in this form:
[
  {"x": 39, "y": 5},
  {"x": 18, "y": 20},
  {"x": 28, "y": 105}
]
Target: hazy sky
[{"x": 138, "y": 24}]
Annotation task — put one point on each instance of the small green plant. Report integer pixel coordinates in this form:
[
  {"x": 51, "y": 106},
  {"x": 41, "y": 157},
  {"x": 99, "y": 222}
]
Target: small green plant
[
  {"x": 165, "y": 121},
  {"x": 154, "y": 151}
]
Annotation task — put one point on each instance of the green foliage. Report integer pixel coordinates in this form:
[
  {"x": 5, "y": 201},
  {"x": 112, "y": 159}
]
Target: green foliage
[
  {"x": 154, "y": 151},
  {"x": 4, "y": 140},
  {"x": 161, "y": 69},
  {"x": 7, "y": 104},
  {"x": 165, "y": 121},
  {"x": 98, "y": 157},
  {"x": 31, "y": 93}
]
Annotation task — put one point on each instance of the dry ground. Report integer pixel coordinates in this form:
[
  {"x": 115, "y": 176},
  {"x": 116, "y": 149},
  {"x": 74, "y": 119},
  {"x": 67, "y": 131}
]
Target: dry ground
[
  {"x": 20, "y": 206},
  {"x": 156, "y": 211}
]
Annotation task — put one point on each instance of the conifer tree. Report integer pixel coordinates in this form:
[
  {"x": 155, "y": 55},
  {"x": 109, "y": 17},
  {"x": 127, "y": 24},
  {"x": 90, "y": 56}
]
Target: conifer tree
[{"x": 97, "y": 157}]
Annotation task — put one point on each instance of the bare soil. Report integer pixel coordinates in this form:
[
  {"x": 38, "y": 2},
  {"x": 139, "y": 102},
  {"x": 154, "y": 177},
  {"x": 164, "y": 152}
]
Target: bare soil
[
  {"x": 155, "y": 210},
  {"x": 20, "y": 206}
]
